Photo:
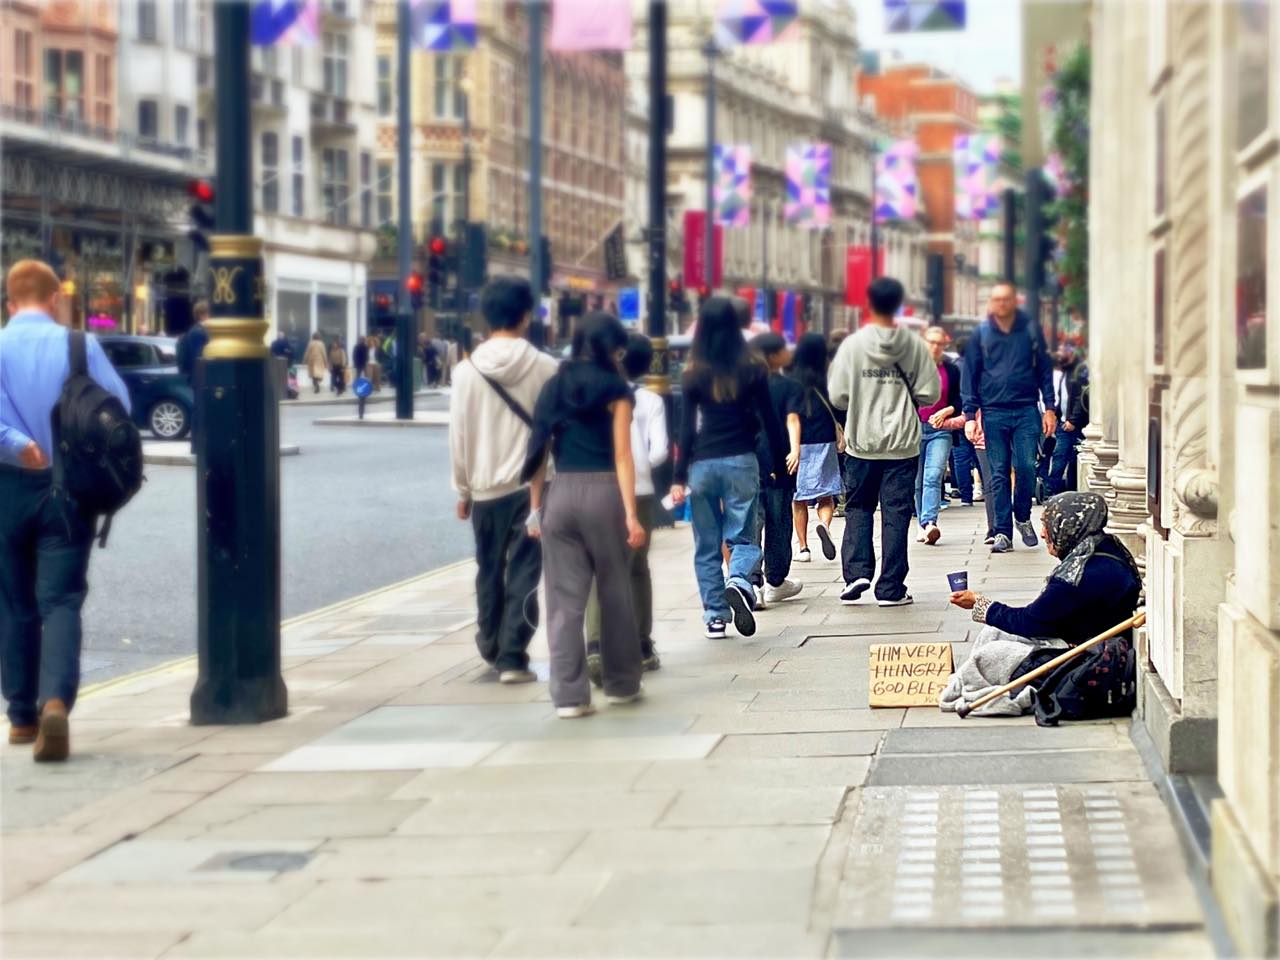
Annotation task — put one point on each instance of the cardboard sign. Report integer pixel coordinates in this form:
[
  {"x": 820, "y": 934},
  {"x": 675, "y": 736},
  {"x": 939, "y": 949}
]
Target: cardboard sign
[{"x": 908, "y": 674}]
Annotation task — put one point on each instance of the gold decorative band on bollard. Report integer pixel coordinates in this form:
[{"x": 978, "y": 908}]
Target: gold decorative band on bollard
[
  {"x": 236, "y": 328},
  {"x": 659, "y": 377}
]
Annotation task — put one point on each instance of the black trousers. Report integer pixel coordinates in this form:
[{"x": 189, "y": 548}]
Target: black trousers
[
  {"x": 774, "y": 524},
  {"x": 509, "y": 565},
  {"x": 891, "y": 484},
  {"x": 44, "y": 556}
]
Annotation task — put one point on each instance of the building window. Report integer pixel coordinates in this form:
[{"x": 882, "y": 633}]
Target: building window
[
  {"x": 1161, "y": 177},
  {"x": 64, "y": 84},
  {"x": 335, "y": 64},
  {"x": 202, "y": 134},
  {"x": 1157, "y": 308},
  {"x": 103, "y": 92},
  {"x": 24, "y": 92},
  {"x": 449, "y": 95},
  {"x": 148, "y": 120},
  {"x": 181, "y": 13},
  {"x": 366, "y": 189},
  {"x": 181, "y": 124},
  {"x": 296, "y": 65},
  {"x": 1251, "y": 281},
  {"x": 147, "y": 31},
  {"x": 335, "y": 181},
  {"x": 384, "y": 86},
  {"x": 270, "y": 172},
  {"x": 386, "y": 199},
  {"x": 1253, "y": 69},
  {"x": 299, "y": 178}
]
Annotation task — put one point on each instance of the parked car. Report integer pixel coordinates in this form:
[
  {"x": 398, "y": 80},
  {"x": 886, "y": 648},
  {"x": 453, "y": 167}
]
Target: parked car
[{"x": 162, "y": 399}]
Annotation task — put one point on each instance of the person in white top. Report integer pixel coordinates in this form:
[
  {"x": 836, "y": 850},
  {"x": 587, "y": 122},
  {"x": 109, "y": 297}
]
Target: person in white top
[{"x": 650, "y": 448}]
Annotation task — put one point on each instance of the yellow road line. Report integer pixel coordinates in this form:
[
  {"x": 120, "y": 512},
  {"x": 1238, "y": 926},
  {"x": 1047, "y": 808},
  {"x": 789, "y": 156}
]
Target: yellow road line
[{"x": 176, "y": 666}]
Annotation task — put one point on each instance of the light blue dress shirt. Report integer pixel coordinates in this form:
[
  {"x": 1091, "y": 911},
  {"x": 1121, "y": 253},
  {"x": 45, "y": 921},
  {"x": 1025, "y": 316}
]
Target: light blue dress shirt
[{"x": 34, "y": 363}]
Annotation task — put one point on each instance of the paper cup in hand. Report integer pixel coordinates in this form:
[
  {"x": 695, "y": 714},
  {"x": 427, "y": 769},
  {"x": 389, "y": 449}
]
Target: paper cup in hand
[{"x": 958, "y": 581}]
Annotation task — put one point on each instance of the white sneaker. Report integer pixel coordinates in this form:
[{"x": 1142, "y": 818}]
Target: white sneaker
[
  {"x": 574, "y": 713},
  {"x": 783, "y": 591},
  {"x": 920, "y": 537},
  {"x": 853, "y": 591},
  {"x": 903, "y": 601},
  {"x": 517, "y": 676},
  {"x": 804, "y": 556},
  {"x": 620, "y": 701}
]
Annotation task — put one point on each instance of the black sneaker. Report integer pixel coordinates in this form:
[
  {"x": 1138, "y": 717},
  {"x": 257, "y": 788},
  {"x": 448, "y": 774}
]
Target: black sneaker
[
  {"x": 1028, "y": 533},
  {"x": 595, "y": 670},
  {"x": 716, "y": 629},
  {"x": 741, "y": 604},
  {"x": 902, "y": 601},
  {"x": 828, "y": 547},
  {"x": 852, "y": 591}
]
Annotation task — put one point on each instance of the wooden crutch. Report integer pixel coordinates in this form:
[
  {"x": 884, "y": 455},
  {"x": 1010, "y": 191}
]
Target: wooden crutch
[{"x": 1137, "y": 620}]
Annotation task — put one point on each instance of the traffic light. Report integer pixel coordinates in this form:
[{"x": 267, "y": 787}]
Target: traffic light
[
  {"x": 544, "y": 282},
  {"x": 679, "y": 302},
  {"x": 382, "y": 311},
  {"x": 437, "y": 251},
  {"x": 202, "y": 222},
  {"x": 474, "y": 258},
  {"x": 936, "y": 274},
  {"x": 414, "y": 285}
]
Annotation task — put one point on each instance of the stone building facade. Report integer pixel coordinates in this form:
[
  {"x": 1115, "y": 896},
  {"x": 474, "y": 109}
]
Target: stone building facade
[{"x": 1184, "y": 439}]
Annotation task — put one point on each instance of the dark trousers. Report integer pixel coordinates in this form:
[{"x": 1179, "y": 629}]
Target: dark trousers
[
  {"x": 1060, "y": 468},
  {"x": 641, "y": 587},
  {"x": 1012, "y": 437},
  {"x": 509, "y": 563},
  {"x": 963, "y": 462},
  {"x": 584, "y": 533},
  {"x": 339, "y": 377},
  {"x": 891, "y": 484},
  {"x": 44, "y": 555},
  {"x": 773, "y": 524}
]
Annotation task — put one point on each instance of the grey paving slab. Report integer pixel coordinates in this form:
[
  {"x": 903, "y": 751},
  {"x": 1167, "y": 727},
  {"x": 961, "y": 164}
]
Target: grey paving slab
[
  {"x": 523, "y": 779},
  {"x": 664, "y": 942},
  {"x": 497, "y": 813},
  {"x": 443, "y": 941},
  {"x": 757, "y": 806},
  {"x": 390, "y": 756},
  {"x": 34, "y": 794},
  {"x": 450, "y": 855},
  {"x": 717, "y": 847},
  {"x": 972, "y": 737},
  {"x": 318, "y": 821},
  {"x": 146, "y": 861},
  {"x": 89, "y": 946},
  {"x": 1059, "y": 943},
  {"x": 689, "y": 746},
  {"x": 1014, "y": 856},
  {"x": 798, "y": 721},
  {"x": 273, "y": 788},
  {"x": 778, "y": 772},
  {"x": 1056, "y": 766},
  {"x": 703, "y": 897},
  {"x": 830, "y": 744}
]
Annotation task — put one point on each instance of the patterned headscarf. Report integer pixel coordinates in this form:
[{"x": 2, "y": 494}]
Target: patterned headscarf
[{"x": 1076, "y": 521}]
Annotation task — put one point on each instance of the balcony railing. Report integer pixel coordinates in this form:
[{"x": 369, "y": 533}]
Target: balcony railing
[{"x": 126, "y": 142}]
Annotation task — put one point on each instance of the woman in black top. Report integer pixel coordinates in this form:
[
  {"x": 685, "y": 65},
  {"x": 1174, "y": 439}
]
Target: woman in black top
[
  {"x": 584, "y": 416},
  {"x": 818, "y": 479},
  {"x": 726, "y": 403}
]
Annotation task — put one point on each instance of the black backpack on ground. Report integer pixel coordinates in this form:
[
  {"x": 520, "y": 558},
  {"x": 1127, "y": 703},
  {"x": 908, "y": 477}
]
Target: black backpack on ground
[
  {"x": 1102, "y": 682},
  {"x": 97, "y": 457}
]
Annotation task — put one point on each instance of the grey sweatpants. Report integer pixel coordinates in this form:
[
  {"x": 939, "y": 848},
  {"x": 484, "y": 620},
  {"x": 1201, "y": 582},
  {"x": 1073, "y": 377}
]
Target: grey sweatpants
[{"x": 584, "y": 538}]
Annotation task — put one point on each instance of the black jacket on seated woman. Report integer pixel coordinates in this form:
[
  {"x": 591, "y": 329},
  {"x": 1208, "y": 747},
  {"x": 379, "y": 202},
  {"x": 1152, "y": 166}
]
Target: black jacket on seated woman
[{"x": 1096, "y": 586}]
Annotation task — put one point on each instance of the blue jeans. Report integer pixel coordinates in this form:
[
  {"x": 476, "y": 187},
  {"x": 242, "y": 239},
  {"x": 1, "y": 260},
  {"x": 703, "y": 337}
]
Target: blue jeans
[
  {"x": 963, "y": 463},
  {"x": 1060, "y": 475},
  {"x": 935, "y": 447},
  {"x": 1012, "y": 435},
  {"x": 722, "y": 498}
]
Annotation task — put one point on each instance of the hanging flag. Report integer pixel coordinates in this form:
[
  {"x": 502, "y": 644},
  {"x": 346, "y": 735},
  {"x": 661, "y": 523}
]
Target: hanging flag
[
  {"x": 976, "y": 157},
  {"x": 584, "y": 25},
  {"x": 695, "y": 252},
  {"x": 284, "y": 22},
  {"x": 808, "y": 185},
  {"x": 753, "y": 21},
  {"x": 732, "y": 187},
  {"x": 897, "y": 188},
  {"x": 443, "y": 25},
  {"x": 922, "y": 16}
]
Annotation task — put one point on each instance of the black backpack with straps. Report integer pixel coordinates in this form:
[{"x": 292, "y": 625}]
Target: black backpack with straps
[{"x": 97, "y": 457}]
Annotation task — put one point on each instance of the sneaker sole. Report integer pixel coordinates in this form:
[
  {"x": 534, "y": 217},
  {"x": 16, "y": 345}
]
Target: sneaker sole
[
  {"x": 744, "y": 620},
  {"x": 850, "y": 601},
  {"x": 828, "y": 547},
  {"x": 624, "y": 701},
  {"x": 933, "y": 536},
  {"x": 574, "y": 713},
  {"x": 716, "y": 635},
  {"x": 53, "y": 743},
  {"x": 904, "y": 602}
]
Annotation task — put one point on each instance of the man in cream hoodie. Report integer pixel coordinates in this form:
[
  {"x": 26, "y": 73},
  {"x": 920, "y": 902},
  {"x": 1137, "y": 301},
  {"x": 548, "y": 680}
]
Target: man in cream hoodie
[
  {"x": 881, "y": 376},
  {"x": 494, "y": 393}
]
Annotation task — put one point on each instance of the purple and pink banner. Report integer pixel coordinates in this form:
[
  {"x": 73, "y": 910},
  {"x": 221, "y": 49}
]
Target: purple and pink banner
[
  {"x": 897, "y": 187},
  {"x": 284, "y": 22},
  {"x": 579, "y": 26},
  {"x": 753, "y": 21},
  {"x": 808, "y": 173},
  {"x": 732, "y": 186},
  {"x": 977, "y": 160},
  {"x": 443, "y": 25}
]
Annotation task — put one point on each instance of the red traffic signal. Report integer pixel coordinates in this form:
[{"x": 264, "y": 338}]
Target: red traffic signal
[
  {"x": 413, "y": 282},
  {"x": 437, "y": 246},
  {"x": 201, "y": 191},
  {"x": 383, "y": 301},
  {"x": 704, "y": 291},
  {"x": 673, "y": 286}
]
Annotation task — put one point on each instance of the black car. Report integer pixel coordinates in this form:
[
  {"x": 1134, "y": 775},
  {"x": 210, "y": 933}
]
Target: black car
[{"x": 162, "y": 399}]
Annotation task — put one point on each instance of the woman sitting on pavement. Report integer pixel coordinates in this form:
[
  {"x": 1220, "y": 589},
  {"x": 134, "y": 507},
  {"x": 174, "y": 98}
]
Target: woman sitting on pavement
[{"x": 1095, "y": 586}]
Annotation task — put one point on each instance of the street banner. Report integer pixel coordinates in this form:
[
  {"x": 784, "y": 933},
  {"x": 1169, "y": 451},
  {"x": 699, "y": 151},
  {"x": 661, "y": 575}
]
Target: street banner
[
  {"x": 753, "y": 21},
  {"x": 615, "y": 254},
  {"x": 976, "y": 157},
  {"x": 585, "y": 25},
  {"x": 732, "y": 186},
  {"x": 857, "y": 274},
  {"x": 897, "y": 187},
  {"x": 629, "y": 305},
  {"x": 923, "y": 16},
  {"x": 443, "y": 25},
  {"x": 695, "y": 243},
  {"x": 808, "y": 173},
  {"x": 284, "y": 22}
]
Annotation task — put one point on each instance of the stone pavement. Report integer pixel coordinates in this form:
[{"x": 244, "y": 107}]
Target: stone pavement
[{"x": 752, "y": 805}]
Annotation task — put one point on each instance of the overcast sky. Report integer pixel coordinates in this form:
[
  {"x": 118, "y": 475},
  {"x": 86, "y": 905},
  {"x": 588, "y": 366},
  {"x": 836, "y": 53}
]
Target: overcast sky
[{"x": 989, "y": 49}]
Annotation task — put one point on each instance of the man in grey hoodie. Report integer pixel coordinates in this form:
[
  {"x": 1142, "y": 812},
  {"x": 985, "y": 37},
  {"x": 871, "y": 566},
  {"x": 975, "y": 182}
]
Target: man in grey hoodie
[{"x": 881, "y": 376}]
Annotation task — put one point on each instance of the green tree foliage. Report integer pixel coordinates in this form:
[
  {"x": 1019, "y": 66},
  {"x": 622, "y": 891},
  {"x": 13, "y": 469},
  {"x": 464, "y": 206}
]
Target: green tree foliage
[{"x": 1071, "y": 141}]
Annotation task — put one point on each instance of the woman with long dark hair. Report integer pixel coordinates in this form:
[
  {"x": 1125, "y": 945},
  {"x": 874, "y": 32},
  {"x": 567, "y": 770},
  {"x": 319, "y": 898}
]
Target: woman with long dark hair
[
  {"x": 591, "y": 521},
  {"x": 818, "y": 479},
  {"x": 726, "y": 403}
]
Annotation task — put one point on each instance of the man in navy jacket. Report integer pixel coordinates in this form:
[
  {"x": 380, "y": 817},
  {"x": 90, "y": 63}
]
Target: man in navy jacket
[{"x": 1007, "y": 372}]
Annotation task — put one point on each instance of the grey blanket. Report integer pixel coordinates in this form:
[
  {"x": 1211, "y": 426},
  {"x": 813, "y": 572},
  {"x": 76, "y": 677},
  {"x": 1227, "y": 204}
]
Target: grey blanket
[{"x": 994, "y": 657}]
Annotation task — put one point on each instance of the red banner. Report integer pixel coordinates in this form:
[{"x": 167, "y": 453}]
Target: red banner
[
  {"x": 695, "y": 242},
  {"x": 857, "y": 275}
]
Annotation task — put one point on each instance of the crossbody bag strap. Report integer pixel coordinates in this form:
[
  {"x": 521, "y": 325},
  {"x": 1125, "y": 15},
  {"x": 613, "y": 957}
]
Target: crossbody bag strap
[
  {"x": 830, "y": 409},
  {"x": 911, "y": 387},
  {"x": 509, "y": 400}
]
